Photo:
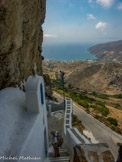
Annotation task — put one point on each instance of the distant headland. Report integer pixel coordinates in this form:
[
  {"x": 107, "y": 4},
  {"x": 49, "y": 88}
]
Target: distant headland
[{"x": 109, "y": 50}]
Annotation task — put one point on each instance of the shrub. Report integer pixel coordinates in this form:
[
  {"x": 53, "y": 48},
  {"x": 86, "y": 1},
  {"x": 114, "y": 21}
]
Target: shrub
[
  {"x": 67, "y": 94},
  {"x": 113, "y": 127},
  {"x": 117, "y": 96},
  {"x": 100, "y": 103},
  {"x": 55, "y": 99},
  {"x": 118, "y": 144},
  {"x": 117, "y": 105},
  {"x": 70, "y": 86},
  {"x": 88, "y": 99},
  {"x": 83, "y": 103},
  {"x": 60, "y": 91},
  {"x": 87, "y": 110},
  {"x": 93, "y": 106},
  {"x": 113, "y": 121},
  {"x": 75, "y": 119},
  {"x": 97, "y": 117},
  {"x": 104, "y": 111},
  {"x": 102, "y": 96}
]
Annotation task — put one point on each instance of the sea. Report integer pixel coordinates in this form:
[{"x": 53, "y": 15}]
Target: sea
[{"x": 67, "y": 52}]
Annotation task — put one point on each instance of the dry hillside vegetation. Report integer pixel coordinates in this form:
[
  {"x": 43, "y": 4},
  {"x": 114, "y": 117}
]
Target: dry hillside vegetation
[
  {"x": 100, "y": 77},
  {"x": 96, "y": 87}
]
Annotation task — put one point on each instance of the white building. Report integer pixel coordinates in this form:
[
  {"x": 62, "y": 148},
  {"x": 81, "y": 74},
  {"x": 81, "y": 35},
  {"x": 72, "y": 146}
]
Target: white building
[
  {"x": 24, "y": 131},
  {"x": 23, "y": 125}
]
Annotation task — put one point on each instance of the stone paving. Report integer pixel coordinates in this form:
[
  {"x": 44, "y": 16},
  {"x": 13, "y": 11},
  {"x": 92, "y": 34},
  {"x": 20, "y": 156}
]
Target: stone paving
[{"x": 55, "y": 123}]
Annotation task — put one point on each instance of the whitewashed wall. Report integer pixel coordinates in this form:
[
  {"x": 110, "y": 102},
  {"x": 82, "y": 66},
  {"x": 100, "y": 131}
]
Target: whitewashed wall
[
  {"x": 37, "y": 144},
  {"x": 70, "y": 139},
  {"x": 34, "y": 144}
]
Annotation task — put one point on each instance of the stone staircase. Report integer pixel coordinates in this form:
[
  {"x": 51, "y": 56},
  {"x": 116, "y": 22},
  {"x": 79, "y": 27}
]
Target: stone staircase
[{"x": 64, "y": 156}]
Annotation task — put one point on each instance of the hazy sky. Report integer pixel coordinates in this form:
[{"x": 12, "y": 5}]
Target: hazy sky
[{"x": 77, "y": 21}]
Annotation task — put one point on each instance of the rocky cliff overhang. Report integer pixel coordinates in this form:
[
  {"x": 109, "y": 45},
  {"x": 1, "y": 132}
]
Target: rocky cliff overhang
[{"x": 20, "y": 40}]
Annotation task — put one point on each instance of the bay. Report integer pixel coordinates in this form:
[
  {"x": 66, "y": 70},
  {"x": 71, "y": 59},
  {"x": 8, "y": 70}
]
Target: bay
[{"x": 67, "y": 52}]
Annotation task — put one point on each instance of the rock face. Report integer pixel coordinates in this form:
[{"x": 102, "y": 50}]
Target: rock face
[
  {"x": 92, "y": 153},
  {"x": 109, "y": 51},
  {"x": 48, "y": 87},
  {"x": 20, "y": 39}
]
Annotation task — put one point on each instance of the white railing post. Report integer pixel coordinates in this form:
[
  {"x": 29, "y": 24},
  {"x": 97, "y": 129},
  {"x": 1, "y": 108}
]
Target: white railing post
[
  {"x": 68, "y": 114},
  {"x": 49, "y": 109}
]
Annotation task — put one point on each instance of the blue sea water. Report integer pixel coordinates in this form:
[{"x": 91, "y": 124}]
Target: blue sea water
[{"x": 67, "y": 52}]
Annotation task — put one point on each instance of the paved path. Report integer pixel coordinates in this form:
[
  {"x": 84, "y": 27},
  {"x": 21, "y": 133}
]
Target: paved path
[
  {"x": 55, "y": 123},
  {"x": 102, "y": 133}
]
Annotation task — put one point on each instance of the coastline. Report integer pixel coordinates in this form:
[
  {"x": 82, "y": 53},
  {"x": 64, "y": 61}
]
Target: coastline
[{"x": 68, "y": 52}]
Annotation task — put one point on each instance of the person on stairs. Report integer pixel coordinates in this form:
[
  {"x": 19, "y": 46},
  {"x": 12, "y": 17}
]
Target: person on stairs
[
  {"x": 60, "y": 139},
  {"x": 55, "y": 143}
]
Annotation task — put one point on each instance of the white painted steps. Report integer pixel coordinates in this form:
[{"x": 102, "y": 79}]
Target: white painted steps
[
  {"x": 60, "y": 159},
  {"x": 62, "y": 153},
  {"x": 64, "y": 156}
]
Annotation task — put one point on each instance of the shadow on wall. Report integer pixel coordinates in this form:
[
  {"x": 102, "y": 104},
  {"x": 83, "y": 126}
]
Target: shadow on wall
[{"x": 120, "y": 154}]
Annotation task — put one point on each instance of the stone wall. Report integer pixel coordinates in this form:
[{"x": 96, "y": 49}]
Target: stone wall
[
  {"x": 21, "y": 38},
  {"x": 92, "y": 153}
]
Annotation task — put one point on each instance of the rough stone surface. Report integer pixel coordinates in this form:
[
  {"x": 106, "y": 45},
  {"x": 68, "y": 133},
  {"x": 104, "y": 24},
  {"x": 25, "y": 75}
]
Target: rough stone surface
[
  {"x": 48, "y": 87},
  {"x": 92, "y": 153},
  {"x": 20, "y": 39},
  {"x": 55, "y": 124}
]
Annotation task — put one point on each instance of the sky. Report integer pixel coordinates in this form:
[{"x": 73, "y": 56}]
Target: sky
[{"x": 82, "y": 21}]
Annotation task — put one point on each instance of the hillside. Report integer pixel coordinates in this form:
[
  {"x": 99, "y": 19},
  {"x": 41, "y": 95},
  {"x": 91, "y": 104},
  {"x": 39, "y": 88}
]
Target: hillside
[
  {"x": 86, "y": 83},
  {"x": 98, "y": 76},
  {"x": 109, "y": 51},
  {"x": 105, "y": 78}
]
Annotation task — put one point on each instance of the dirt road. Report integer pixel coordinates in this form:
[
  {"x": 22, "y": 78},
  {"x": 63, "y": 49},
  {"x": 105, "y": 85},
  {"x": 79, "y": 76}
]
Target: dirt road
[{"x": 101, "y": 132}]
